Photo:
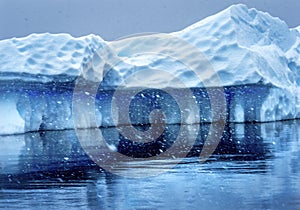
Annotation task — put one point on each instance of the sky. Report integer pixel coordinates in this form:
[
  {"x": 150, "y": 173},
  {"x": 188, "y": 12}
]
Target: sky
[{"x": 112, "y": 19}]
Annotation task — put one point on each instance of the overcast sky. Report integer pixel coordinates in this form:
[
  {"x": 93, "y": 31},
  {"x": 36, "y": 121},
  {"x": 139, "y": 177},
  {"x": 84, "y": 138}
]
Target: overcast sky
[{"x": 114, "y": 18}]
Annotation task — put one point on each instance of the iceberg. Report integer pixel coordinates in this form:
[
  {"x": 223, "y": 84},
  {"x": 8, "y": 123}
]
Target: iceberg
[{"x": 255, "y": 56}]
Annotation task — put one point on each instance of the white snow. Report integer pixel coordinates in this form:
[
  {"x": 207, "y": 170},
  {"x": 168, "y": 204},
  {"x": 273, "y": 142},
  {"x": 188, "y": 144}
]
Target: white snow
[
  {"x": 244, "y": 46},
  {"x": 37, "y": 56}
]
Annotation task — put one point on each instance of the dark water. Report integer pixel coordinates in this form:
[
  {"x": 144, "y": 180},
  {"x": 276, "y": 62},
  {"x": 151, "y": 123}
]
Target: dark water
[{"x": 256, "y": 166}]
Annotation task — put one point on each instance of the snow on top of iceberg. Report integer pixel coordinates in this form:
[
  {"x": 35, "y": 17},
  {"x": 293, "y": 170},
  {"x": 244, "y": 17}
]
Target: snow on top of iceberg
[
  {"x": 45, "y": 55},
  {"x": 246, "y": 26},
  {"x": 243, "y": 45}
]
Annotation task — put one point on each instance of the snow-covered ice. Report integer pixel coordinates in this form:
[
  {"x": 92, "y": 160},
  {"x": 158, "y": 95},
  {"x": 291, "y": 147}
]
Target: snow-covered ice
[
  {"x": 45, "y": 57},
  {"x": 256, "y": 56}
]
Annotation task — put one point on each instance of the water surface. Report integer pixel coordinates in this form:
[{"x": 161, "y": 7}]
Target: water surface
[{"x": 256, "y": 166}]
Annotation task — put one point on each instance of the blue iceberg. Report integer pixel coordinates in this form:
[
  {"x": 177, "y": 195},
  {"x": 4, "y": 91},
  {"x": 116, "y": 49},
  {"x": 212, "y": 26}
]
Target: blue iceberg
[{"x": 254, "y": 57}]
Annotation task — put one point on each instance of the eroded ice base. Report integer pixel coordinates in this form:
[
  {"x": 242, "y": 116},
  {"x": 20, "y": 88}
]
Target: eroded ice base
[{"x": 39, "y": 106}]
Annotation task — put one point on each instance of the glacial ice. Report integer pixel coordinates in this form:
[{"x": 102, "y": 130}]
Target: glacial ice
[{"x": 255, "y": 55}]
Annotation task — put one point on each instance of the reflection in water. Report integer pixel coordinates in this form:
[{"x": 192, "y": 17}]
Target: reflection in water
[{"x": 254, "y": 166}]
